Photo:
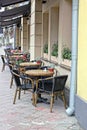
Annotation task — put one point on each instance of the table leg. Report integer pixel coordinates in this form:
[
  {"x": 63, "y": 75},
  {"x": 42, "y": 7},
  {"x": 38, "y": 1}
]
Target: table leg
[{"x": 42, "y": 99}]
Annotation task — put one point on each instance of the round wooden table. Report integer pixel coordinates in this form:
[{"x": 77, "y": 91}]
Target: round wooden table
[
  {"x": 16, "y": 56},
  {"x": 35, "y": 74},
  {"x": 39, "y": 72},
  {"x": 17, "y": 53},
  {"x": 27, "y": 64}
]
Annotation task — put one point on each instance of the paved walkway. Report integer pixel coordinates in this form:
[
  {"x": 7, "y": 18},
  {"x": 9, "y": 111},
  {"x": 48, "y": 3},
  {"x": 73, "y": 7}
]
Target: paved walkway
[{"x": 24, "y": 116}]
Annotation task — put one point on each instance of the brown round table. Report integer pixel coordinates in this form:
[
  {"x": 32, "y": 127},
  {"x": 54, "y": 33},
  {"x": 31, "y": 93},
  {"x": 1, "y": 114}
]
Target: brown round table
[
  {"x": 17, "y": 53},
  {"x": 35, "y": 74},
  {"x": 39, "y": 72},
  {"x": 26, "y": 64},
  {"x": 16, "y": 56}
]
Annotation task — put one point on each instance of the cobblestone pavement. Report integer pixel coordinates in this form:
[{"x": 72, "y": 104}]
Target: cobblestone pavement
[{"x": 24, "y": 116}]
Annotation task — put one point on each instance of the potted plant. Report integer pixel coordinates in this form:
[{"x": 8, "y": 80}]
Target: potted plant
[
  {"x": 20, "y": 59},
  {"x": 66, "y": 55},
  {"x": 45, "y": 51},
  {"x": 55, "y": 50},
  {"x": 51, "y": 67}
]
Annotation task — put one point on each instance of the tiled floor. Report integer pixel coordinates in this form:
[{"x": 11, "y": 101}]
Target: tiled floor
[{"x": 24, "y": 116}]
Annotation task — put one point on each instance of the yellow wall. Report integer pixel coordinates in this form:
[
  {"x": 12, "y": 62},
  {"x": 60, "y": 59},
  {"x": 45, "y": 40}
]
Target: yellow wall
[{"x": 82, "y": 50}]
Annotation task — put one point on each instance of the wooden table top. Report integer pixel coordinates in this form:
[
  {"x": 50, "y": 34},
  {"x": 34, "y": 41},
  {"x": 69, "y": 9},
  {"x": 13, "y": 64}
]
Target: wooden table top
[
  {"x": 15, "y": 56},
  {"x": 25, "y": 64},
  {"x": 39, "y": 72},
  {"x": 17, "y": 53}
]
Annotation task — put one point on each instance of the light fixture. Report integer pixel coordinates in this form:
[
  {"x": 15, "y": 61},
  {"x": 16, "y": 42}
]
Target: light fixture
[
  {"x": 21, "y": 27},
  {"x": 28, "y": 20},
  {"x": 44, "y": 1}
]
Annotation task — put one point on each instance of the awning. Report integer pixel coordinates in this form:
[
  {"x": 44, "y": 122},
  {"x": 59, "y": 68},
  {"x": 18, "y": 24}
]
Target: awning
[
  {"x": 4, "y": 3},
  {"x": 10, "y": 22},
  {"x": 13, "y": 16},
  {"x": 15, "y": 12}
]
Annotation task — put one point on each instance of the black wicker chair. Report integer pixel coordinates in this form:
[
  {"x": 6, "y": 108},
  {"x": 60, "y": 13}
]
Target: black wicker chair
[
  {"x": 26, "y": 85},
  {"x": 11, "y": 68},
  {"x": 53, "y": 86},
  {"x": 4, "y": 62}
]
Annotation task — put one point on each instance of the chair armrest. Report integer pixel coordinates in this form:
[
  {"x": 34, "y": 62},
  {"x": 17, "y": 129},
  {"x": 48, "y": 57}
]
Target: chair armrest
[
  {"x": 27, "y": 78},
  {"x": 23, "y": 76},
  {"x": 15, "y": 74},
  {"x": 48, "y": 78}
]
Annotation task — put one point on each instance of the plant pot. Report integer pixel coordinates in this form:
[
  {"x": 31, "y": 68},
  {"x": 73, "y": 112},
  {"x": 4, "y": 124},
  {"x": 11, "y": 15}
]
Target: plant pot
[
  {"x": 54, "y": 58},
  {"x": 38, "y": 62},
  {"x": 51, "y": 69},
  {"x": 67, "y": 62},
  {"x": 46, "y": 55}
]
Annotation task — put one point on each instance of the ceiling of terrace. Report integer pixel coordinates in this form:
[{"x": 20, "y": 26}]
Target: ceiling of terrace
[
  {"x": 13, "y": 15},
  {"x": 4, "y": 3},
  {"x": 10, "y": 22}
]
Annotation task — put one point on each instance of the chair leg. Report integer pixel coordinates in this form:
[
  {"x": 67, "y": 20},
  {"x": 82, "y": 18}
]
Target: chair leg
[
  {"x": 51, "y": 102},
  {"x": 56, "y": 96},
  {"x": 11, "y": 82},
  {"x": 33, "y": 98},
  {"x": 3, "y": 67},
  {"x": 64, "y": 100},
  {"x": 19, "y": 93},
  {"x": 36, "y": 96},
  {"x": 15, "y": 96},
  {"x": 24, "y": 91},
  {"x": 33, "y": 94}
]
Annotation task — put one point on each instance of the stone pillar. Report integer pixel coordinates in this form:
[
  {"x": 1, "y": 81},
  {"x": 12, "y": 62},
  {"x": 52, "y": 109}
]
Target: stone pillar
[
  {"x": 24, "y": 45},
  {"x": 28, "y": 35},
  {"x": 49, "y": 35},
  {"x": 36, "y": 29},
  {"x": 14, "y": 37},
  {"x": 17, "y": 36},
  {"x": 65, "y": 27},
  {"x": 7, "y": 36},
  {"x": 45, "y": 30}
]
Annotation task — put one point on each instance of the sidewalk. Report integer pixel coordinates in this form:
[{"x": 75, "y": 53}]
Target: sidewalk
[{"x": 24, "y": 116}]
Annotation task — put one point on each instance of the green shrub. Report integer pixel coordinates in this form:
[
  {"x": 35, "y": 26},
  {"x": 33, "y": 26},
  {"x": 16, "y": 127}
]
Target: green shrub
[
  {"x": 66, "y": 53},
  {"x": 55, "y": 50},
  {"x": 45, "y": 49}
]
